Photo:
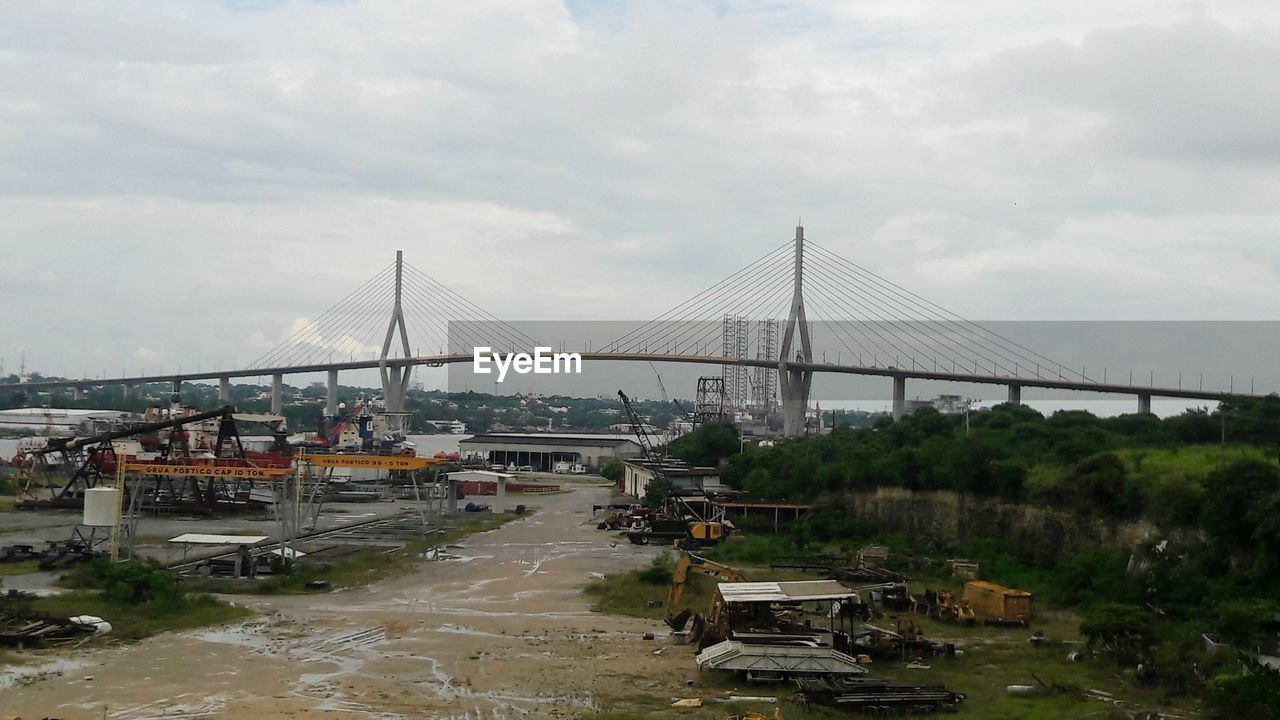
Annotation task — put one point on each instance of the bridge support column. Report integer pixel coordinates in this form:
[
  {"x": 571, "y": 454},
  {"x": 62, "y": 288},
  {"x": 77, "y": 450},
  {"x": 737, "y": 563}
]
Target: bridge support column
[
  {"x": 127, "y": 390},
  {"x": 331, "y": 395},
  {"x": 395, "y": 379},
  {"x": 175, "y": 389},
  {"x": 899, "y": 397},
  {"x": 224, "y": 389},
  {"x": 500, "y": 499},
  {"x": 1015, "y": 394},
  {"x": 794, "y": 384},
  {"x": 1144, "y": 402},
  {"x": 277, "y": 393},
  {"x": 795, "y": 400},
  {"x": 77, "y": 392}
]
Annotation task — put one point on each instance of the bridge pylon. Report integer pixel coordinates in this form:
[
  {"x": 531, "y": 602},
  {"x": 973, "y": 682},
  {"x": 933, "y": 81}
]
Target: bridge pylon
[
  {"x": 794, "y": 383},
  {"x": 395, "y": 379}
]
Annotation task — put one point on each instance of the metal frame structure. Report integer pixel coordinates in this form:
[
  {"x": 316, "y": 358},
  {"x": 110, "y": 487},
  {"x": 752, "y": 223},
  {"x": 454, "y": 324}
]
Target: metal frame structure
[
  {"x": 735, "y": 339},
  {"x": 89, "y": 454},
  {"x": 708, "y": 406},
  {"x": 764, "y": 380}
]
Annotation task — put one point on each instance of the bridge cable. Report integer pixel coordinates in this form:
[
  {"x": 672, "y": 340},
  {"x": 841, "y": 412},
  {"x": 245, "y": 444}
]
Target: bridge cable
[
  {"x": 359, "y": 319},
  {"x": 356, "y": 335},
  {"x": 682, "y": 319},
  {"x": 312, "y": 324},
  {"x": 714, "y": 328},
  {"x": 511, "y": 331},
  {"x": 925, "y": 330},
  {"x": 679, "y": 331},
  {"x": 431, "y": 314},
  {"x": 682, "y": 307},
  {"x": 334, "y": 314},
  {"x": 888, "y": 348},
  {"x": 878, "y": 319},
  {"x": 944, "y": 313},
  {"x": 459, "y": 322},
  {"x": 475, "y": 313},
  {"x": 736, "y": 283}
]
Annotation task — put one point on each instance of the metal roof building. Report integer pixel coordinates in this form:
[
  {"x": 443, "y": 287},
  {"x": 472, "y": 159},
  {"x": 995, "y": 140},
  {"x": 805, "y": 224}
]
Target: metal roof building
[
  {"x": 542, "y": 451},
  {"x": 799, "y": 591},
  {"x": 60, "y": 419}
]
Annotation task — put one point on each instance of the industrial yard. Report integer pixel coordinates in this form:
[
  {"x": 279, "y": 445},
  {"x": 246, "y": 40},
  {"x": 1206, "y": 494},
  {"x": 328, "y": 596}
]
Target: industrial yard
[{"x": 497, "y": 626}]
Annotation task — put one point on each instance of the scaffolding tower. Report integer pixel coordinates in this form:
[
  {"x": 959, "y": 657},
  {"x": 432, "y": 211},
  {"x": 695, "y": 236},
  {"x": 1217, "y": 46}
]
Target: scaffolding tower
[
  {"x": 735, "y": 343},
  {"x": 764, "y": 380}
]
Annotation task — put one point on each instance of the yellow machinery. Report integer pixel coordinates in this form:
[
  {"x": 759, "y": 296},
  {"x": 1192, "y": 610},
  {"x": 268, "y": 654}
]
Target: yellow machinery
[
  {"x": 998, "y": 604},
  {"x": 690, "y": 563},
  {"x": 949, "y": 607},
  {"x": 706, "y": 533}
]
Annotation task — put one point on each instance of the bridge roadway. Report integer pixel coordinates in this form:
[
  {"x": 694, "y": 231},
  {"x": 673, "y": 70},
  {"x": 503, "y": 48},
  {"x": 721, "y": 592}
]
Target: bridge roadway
[{"x": 898, "y": 375}]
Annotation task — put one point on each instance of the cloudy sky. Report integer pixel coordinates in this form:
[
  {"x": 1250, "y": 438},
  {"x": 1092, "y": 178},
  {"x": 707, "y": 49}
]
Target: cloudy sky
[{"x": 183, "y": 182}]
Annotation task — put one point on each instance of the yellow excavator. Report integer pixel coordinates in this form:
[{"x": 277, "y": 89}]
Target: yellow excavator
[{"x": 690, "y": 563}]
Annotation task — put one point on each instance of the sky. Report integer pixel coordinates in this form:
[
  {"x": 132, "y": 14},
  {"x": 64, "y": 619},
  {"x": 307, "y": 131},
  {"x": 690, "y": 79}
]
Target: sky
[{"x": 182, "y": 184}]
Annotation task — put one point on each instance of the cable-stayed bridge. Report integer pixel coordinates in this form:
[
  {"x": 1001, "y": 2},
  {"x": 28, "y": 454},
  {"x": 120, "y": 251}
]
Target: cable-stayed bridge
[{"x": 779, "y": 319}]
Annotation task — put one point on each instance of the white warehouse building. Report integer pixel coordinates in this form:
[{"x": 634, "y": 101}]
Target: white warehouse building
[{"x": 542, "y": 451}]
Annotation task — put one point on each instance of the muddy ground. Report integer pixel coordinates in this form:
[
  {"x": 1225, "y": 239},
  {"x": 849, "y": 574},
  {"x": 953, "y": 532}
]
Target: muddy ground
[{"x": 499, "y": 631}]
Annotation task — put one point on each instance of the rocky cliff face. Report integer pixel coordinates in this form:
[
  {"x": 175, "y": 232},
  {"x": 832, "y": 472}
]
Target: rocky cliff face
[{"x": 947, "y": 519}]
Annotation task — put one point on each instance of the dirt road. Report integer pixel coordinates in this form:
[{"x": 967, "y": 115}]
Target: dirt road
[{"x": 500, "y": 631}]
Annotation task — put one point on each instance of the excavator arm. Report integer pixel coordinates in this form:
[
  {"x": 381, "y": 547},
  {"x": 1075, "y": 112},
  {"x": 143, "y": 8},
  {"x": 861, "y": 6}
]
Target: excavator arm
[{"x": 690, "y": 563}]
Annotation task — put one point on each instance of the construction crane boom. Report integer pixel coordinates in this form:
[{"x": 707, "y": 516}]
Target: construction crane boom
[
  {"x": 74, "y": 443},
  {"x": 696, "y": 564},
  {"x": 668, "y": 400},
  {"x": 647, "y": 443}
]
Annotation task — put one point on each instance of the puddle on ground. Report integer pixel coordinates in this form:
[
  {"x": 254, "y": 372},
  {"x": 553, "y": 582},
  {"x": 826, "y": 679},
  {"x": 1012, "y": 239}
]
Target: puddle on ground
[{"x": 15, "y": 675}]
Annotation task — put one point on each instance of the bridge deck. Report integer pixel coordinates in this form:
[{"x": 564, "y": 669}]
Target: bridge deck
[{"x": 890, "y": 372}]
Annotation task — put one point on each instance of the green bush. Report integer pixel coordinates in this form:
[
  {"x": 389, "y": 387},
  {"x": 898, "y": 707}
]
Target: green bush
[
  {"x": 128, "y": 583},
  {"x": 1251, "y": 692},
  {"x": 707, "y": 445},
  {"x": 755, "y": 549},
  {"x": 1128, "y": 632},
  {"x": 659, "y": 571},
  {"x": 1237, "y": 500},
  {"x": 656, "y": 493},
  {"x": 1240, "y": 622},
  {"x": 613, "y": 470}
]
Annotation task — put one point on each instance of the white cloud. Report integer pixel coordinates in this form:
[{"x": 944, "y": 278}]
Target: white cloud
[
  {"x": 201, "y": 176},
  {"x": 148, "y": 357}
]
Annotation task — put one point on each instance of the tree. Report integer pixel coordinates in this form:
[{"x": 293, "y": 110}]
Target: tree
[
  {"x": 1126, "y": 631},
  {"x": 657, "y": 491},
  {"x": 1236, "y": 501},
  {"x": 613, "y": 470},
  {"x": 1241, "y": 622},
  {"x": 1251, "y": 693},
  {"x": 707, "y": 445},
  {"x": 1195, "y": 426},
  {"x": 1008, "y": 478},
  {"x": 1098, "y": 482},
  {"x": 760, "y": 483}
]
